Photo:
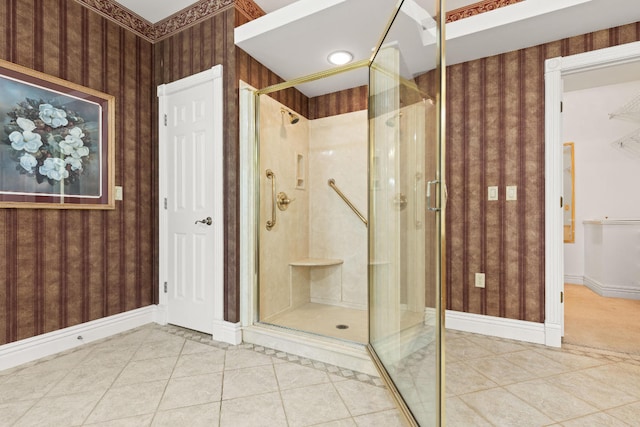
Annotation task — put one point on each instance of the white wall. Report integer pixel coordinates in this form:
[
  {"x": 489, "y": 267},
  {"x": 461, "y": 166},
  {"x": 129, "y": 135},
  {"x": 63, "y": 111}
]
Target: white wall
[{"x": 606, "y": 177}]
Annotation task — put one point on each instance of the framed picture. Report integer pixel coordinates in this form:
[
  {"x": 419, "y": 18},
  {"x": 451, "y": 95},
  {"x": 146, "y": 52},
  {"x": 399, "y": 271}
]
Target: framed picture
[{"x": 56, "y": 142}]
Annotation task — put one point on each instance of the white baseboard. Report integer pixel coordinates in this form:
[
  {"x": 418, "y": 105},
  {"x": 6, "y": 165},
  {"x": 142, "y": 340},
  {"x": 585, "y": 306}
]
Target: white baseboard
[
  {"x": 611, "y": 291},
  {"x": 574, "y": 280},
  {"x": 496, "y": 326},
  {"x": 228, "y": 332},
  {"x": 29, "y": 349}
]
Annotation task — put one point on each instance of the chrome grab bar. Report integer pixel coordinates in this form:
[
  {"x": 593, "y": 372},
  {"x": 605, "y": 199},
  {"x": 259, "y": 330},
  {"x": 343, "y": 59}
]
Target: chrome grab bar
[
  {"x": 272, "y": 222},
  {"x": 332, "y": 184},
  {"x": 416, "y": 211}
]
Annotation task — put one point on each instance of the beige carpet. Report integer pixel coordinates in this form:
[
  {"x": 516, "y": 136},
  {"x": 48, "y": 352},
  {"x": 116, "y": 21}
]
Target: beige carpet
[{"x": 598, "y": 322}]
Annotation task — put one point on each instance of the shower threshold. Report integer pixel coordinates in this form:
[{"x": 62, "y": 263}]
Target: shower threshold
[{"x": 327, "y": 320}]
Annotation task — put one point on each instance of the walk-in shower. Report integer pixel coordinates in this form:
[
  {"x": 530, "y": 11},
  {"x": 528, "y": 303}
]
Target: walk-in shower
[
  {"x": 312, "y": 244},
  {"x": 345, "y": 216}
]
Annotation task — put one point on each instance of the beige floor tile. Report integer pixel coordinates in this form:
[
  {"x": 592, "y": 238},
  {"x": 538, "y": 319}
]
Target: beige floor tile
[
  {"x": 249, "y": 381},
  {"x": 188, "y": 391},
  {"x": 630, "y": 414},
  {"x": 347, "y": 422},
  {"x": 551, "y": 400},
  {"x": 69, "y": 410},
  {"x": 536, "y": 363},
  {"x": 459, "y": 414},
  {"x": 597, "y": 393},
  {"x": 128, "y": 401},
  {"x": 391, "y": 418},
  {"x": 623, "y": 376},
  {"x": 109, "y": 357},
  {"x": 571, "y": 361},
  {"x": 138, "y": 371},
  {"x": 207, "y": 415},
  {"x": 86, "y": 379},
  {"x": 313, "y": 405},
  {"x": 204, "y": 362},
  {"x": 362, "y": 398},
  {"x": 29, "y": 386},
  {"x": 192, "y": 347},
  {"x": 502, "y": 408},
  {"x": 463, "y": 349},
  {"x": 462, "y": 378},
  {"x": 64, "y": 362},
  {"x": 12, "y": 411},
  {"x": 495, "y": 345},
  {"x": 264, "y": 410},
  {"x": 500, "y": 370},
  {"x": 171, "y": 346},
  {"x": 240, "y": 358},
  {"x": 292, "y": 375},
  {"x": 599, "y": 419},
  {"x": 137, "y": 421}
]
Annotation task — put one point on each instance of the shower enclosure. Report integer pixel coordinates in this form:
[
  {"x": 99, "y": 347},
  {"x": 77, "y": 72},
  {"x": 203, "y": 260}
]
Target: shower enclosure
[
  {"x": 313, "y": 236},
  {"x": 348, "y": 210}
]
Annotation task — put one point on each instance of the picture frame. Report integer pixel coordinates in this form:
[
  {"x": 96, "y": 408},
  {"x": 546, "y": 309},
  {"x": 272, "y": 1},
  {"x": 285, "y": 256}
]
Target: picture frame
[{"x": 57, "y": 146}]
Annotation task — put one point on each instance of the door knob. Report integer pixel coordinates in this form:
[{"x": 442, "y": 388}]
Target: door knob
[{"x": 207, "y": 221}]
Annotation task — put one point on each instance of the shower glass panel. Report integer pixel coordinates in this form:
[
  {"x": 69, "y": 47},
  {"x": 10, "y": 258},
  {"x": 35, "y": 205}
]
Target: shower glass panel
[
  {"x": 404, "y": 211},
  {"x": 312, "y": 245}
]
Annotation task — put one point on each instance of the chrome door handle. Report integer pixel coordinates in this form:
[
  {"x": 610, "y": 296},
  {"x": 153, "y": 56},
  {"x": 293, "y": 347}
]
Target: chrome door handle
[
  {"x": 207, "y": 221},
  {"x": 429, "y": 184}
]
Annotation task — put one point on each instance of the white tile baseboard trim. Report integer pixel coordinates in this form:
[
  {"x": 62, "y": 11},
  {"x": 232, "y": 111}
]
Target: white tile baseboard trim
[
  {"x": 611, "y": 291},
  {"x": 520, "y": 330},
  {"x": 29, "y": 349}
]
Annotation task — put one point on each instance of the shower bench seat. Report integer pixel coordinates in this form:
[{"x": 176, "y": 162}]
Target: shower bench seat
[{"x": 315, "y": 262}]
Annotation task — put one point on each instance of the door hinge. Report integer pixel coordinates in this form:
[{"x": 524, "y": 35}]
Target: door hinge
[
  {"x": 165, "y": 119},
  {"x": 165, "y": 287},
  {"x": 165, "y": 203},
  {"x": 561, "y": 108},
  {"x": 561, "y": 296},
  {"x": 561, "y": 201}
]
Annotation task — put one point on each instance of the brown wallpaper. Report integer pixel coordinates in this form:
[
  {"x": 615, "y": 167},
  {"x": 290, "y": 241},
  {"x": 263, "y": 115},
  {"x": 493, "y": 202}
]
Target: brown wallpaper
[
  {"x": 495, "y": 136},
  {"x": 59, "y": 268}
]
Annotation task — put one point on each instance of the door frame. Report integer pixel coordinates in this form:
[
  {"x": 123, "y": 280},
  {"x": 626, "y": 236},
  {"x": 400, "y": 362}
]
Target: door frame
[
  {"x": 555, "y": 70},
  {"x": 222, "y": 330}
]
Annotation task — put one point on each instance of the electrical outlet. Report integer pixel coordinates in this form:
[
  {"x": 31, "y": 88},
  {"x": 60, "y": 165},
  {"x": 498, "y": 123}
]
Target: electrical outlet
[
  {"x": 512, "y": 192},
  {"x": 118, "y": 193},
  {"x": 479, "y": 280},
  {"x": 492, "y": 193}
]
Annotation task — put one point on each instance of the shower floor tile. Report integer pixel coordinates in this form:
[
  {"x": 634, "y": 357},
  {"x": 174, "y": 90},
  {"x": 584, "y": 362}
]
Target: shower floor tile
[{"x": 323, "y": 319}]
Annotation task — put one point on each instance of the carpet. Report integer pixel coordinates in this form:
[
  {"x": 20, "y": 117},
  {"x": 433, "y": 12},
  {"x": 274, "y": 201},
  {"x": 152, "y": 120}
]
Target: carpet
[{"x": 599, "y": 322}]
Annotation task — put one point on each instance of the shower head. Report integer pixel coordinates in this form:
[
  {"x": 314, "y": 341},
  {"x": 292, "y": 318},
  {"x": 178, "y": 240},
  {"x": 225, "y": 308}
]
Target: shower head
[{"x": 293, "y": 118}]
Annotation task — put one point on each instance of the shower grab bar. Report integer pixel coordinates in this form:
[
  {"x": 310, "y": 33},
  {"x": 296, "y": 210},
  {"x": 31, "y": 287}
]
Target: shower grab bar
[
  {"x": 332, "y": 184},
  {"x": 272, "y": 222}
]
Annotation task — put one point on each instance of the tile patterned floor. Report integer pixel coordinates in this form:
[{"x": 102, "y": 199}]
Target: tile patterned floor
[
  {"x": 167, "y": 376},
  {"x": 497, "y": 382}
]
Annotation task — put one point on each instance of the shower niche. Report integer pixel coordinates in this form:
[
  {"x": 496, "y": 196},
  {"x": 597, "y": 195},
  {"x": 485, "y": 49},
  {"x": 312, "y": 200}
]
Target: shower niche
[{"x": 313, "y": 261}]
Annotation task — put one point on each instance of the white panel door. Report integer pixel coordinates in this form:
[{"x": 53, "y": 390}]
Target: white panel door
[{"x": 191, "y": 225}]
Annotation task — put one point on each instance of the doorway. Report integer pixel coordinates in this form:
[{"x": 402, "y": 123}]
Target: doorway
[
  {"x": 191, "y": 203},
  {"x": 557, "y": 69}
]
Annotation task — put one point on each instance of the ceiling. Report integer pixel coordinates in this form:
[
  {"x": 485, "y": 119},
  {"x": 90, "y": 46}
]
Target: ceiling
[{"x": 295, "y": 36}]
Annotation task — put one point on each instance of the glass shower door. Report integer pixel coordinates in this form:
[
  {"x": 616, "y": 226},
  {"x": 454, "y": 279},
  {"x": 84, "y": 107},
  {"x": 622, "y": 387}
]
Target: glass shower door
[{"x": 405, "y": 231}]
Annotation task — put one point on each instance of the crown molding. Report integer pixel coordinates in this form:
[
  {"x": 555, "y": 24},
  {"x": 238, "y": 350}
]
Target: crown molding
[
  {"x": 175, "y": 23},
  {"x": 478, "y": 8}
]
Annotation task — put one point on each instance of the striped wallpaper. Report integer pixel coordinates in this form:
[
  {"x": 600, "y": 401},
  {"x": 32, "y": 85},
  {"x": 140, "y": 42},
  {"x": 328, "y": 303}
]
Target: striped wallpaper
[{"x": 59, "y": 268}]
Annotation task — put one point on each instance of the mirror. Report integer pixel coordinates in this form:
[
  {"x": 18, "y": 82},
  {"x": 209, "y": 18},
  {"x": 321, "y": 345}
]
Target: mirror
[{"x": 568, "y": 190}]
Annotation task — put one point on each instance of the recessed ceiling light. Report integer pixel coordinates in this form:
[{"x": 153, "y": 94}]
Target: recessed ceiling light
[{"x": 340, "y": 57}]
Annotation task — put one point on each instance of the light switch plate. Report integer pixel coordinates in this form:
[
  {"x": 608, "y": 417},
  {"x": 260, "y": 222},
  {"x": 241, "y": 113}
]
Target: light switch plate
[
  {"x": 492, "y": 193},
  {"x": 118, "y": 194},
  {"x": 479, "y": 280},
  {"x": 512, "y": 192}
]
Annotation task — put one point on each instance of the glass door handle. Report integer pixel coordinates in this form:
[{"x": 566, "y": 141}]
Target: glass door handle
[
  {"x": 207, "y": 221},
  {"x": 429, "y": 184}
]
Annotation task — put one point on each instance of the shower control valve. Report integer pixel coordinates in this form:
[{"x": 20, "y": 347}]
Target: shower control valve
[{"x": 283, "y": 201}]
